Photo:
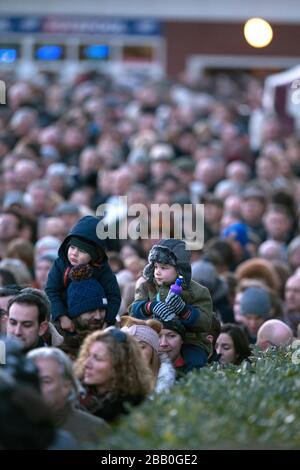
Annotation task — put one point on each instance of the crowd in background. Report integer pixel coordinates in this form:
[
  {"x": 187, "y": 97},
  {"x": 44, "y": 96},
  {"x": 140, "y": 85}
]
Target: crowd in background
[{"x": 66, "y": 148}]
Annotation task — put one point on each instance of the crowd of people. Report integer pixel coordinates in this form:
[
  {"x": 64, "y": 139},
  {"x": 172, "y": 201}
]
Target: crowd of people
[{"x": 96, "y": 326}]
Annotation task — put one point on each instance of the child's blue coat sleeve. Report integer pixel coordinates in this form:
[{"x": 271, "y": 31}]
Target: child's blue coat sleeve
[
  {"x": 141, "y": 298},
  {"x": 137, "y": 310},
  {"x": 55, "y": 289},
  {"x": 192, "y": 318},
  {"x": 111, "y": 288}
]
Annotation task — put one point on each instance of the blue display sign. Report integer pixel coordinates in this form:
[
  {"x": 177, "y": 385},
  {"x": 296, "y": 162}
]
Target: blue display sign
[
  {"x": 49, "y": 52},
  {"x": 64, "y": 24},
  {"x": 8, "y": 55},
  {"x": 95, "y": 52}
]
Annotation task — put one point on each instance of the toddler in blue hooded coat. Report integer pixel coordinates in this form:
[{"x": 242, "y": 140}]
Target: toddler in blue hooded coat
[{"x": 81, "y": 247}]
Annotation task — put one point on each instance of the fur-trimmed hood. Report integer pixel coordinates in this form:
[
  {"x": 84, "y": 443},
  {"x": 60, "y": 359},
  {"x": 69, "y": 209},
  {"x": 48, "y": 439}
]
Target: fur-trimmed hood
[
  {"x": 170, "y": 251},
  {"x": 55, "y": 338},
  {"x": 166, "y": 374}
]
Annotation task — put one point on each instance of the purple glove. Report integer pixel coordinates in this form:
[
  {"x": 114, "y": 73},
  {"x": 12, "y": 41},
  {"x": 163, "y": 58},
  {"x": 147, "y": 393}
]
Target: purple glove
[
  {"x": 176, "y": 288},
  {"x": 173, "y": 298}
]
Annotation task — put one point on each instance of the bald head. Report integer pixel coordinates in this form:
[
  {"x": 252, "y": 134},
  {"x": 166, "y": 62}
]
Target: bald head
[{"x": 273, "y": 333}]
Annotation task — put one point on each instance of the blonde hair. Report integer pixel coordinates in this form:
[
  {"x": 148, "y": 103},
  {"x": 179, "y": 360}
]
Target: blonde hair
[{"x": 130, "y": 373}]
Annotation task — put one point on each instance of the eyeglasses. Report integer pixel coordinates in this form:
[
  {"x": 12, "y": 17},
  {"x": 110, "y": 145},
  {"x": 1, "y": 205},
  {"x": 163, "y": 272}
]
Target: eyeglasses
[{"x": 117, "y": 334}]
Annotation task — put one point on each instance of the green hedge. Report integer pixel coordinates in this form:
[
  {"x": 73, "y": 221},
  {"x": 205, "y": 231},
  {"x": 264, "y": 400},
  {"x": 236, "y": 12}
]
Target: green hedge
[{"x": 253, "y": 406}]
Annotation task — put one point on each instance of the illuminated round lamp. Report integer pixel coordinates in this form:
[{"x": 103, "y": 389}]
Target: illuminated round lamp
[{"x": 258, "y": 32}]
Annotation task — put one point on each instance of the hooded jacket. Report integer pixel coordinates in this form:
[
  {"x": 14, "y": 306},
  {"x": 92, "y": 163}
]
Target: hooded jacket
[
  {"x": 56, "y": 288},
  {"x": 170, "y": 251},
  {"x": 196, "y": 296}
]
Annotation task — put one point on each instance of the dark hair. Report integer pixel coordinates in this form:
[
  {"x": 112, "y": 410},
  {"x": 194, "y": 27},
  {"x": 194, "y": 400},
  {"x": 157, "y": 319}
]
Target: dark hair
[
  {"x": 135, "y": 245},
  {"x": 222, "y": 247},
  {"x": 24, "y": 220},
  {"x": 240, "y": 341},
  {"x": 25, "y": 420},
  {"x": 18, "y": 366},
  {"x": 30, "y": 296},
  {"x": 114, "y": 257},
  {"x": 215, "y": 328},
  {"x": 281, "y": 209},
  {"x": 210, "y": 198},
  {"x": 2, "y": 312},
  {"x": 16, "y": 214},
  {"x": 160, "y": 184},
  {"x": 12, "y": 289},
  {"x": 7, "y": 277},
  {"x": 8, "y": 139}
]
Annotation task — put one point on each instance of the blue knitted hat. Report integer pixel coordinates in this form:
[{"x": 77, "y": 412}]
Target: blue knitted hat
[
  {"x": 237, "y": 231},
  {"x": 84, "y": 295}
]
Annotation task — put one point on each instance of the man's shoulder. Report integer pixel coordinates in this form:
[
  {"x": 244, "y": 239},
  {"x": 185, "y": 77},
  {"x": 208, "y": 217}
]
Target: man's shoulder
[
  {"x": 84, "y": 427},
  {"x": 86, "y": 418}
]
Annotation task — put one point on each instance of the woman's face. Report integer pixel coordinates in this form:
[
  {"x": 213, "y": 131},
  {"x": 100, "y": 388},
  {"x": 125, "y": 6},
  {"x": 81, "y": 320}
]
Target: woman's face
[
  {"x": 147, "y": 351},
  {"x": 98, "y": 366},
  {"x": 42, "y": 269},
  {"x": 225, "y": 347}
]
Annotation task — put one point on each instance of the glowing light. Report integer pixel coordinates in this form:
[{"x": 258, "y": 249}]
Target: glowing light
[{"x": 258, "y": 32}]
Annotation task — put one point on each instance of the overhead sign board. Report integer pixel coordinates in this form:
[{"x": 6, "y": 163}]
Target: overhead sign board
[{"x": 64, "y": 24}]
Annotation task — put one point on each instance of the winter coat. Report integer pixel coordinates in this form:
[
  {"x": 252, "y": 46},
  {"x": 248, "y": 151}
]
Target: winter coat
[
  {"x": 108, "y": 406},
  {"x": 292, "y": 319},
  {"x": 174, "y": 249},
  {"x": 56, "y": 287},
  {"x": 52, "y": 336},
  {"x": 84, "y": 427},
  {"x": 198, "y": 301},
  {"x": 196, "y": 296}
]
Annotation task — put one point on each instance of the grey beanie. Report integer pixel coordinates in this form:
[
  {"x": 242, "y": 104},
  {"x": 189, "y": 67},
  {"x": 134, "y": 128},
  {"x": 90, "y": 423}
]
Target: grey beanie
[
  {"x": 255, "y": 301},
  {"x": 206, "y": 274}
]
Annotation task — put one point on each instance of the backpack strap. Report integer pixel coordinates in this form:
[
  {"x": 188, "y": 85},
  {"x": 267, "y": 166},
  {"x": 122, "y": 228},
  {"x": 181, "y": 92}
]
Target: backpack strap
[{"x": 66, "y": 274}]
